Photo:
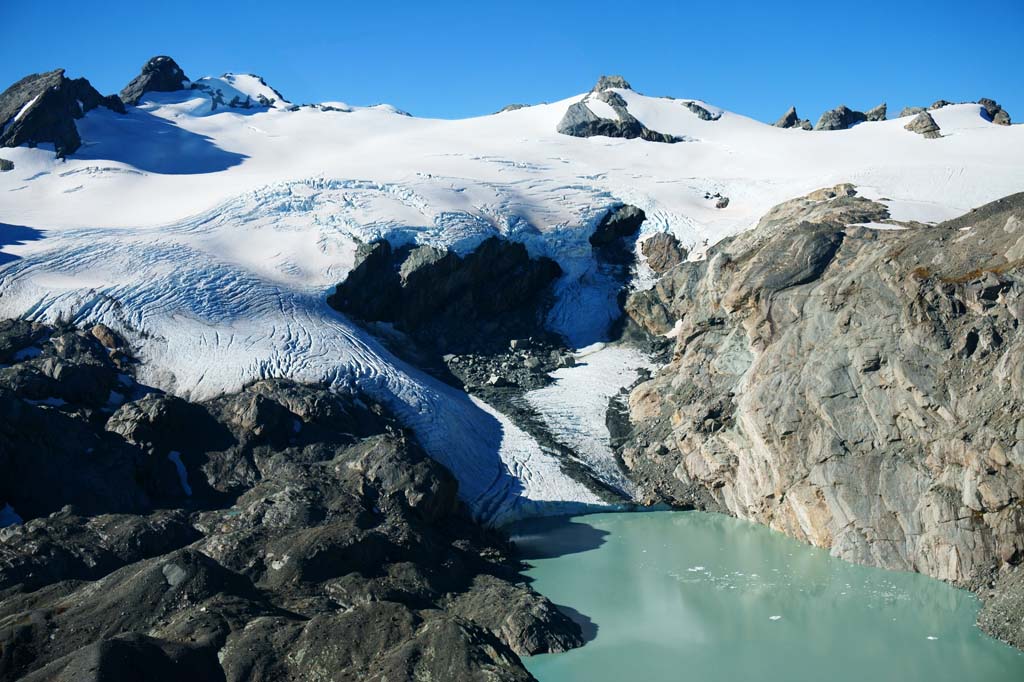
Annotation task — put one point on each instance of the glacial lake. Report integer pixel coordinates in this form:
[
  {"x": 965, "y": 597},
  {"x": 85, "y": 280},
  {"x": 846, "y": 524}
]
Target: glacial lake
[{"x": 676, "y": 596}]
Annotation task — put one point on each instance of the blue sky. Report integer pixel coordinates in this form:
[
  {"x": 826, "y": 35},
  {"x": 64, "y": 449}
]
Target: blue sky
[{"x": 455, "y": 59}]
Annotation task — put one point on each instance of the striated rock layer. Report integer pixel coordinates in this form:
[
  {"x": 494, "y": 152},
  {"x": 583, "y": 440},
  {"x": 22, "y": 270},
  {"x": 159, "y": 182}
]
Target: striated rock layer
[{"x": 860, "y": 389}]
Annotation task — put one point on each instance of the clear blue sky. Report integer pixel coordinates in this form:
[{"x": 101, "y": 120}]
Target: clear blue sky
[{"x": 454, "y": 59}]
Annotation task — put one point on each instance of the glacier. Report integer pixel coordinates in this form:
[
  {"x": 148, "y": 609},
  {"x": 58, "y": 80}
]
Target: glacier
[{"x": 216, "y": 234}]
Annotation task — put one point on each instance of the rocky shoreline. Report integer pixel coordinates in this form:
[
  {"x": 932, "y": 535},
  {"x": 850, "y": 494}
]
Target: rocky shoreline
[
  {"x": 856, "y": 388},
  {"x": 282, "y": 532}
]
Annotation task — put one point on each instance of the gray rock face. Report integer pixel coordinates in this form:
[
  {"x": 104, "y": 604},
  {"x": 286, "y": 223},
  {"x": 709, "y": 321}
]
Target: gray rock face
[
  {"x": 911, "y": 111},
  {"x": 284, "y": 532},
  {"x": 840, "y": 118},
  {"x": 609, "y": 82},
  {"x": 791, "y": 120},
  {"x": 6, "y": 165},
  {"x": 924, "y": 124},
  {"x": 580, "y": 121},
  {"x": 858, "y": 389},
  {"x": 995, "y": 112},
  {"x": 876, "y": 114},
  {"x": 938, "y": 104},
  {"x": 159, "y": 74},
  {"x": 42, "y": 108}
]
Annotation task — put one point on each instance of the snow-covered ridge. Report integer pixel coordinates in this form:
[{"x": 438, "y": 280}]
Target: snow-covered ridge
[{"x": 217, "y": 233}]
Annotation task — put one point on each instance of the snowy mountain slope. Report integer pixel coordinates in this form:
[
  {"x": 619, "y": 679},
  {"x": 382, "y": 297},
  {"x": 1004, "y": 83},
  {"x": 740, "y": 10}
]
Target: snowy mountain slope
[{"x": 219, "y": 232}]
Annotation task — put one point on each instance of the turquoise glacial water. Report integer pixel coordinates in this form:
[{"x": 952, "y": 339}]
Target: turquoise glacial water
[{"x": 676, "y": 596}]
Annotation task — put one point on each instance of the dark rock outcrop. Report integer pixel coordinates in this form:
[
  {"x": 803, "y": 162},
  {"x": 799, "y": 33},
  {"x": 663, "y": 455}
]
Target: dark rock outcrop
[
  {"x": 581, "y": 121},
  {"x": 302, "y": 534},
  {"x": 702, "y": 113},
  {"x": 42, "y": 108},
  {"x": 938, "y": 104},
  {"x": 791, "y": 120},
  {"x": 159, "y": 74},
  {"x": 840, "y": 118},
  {"x": 911, "y": 111},
  {"x": 858, "y": 389},
  {"x": 451, "y": 303},
  {"x": 6, "y": 165},
  {"x": 924, "y": 124},
  {"x": 995, "y": 112}
]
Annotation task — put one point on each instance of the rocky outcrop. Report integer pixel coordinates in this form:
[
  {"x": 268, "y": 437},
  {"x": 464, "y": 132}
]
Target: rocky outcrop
[
  {"x": 876, "y": 114},
  {"x": 855, "y": 388},
  {"x": 284, "y": 532},
  {"x": 6, "y": 165},
  {"x": 580, "y": 121},
  {"x": 662, "y": 251},
  {"x": 791, "y": 120},
  {"x": 911, "y": 111},
  {"x": 938, "y": 104},
  {"x": 701, "y": 112},
  {"x": 159, "y": 74},
  {"x": 924, "y": 124},
  {"x": 995, "y": 112},
  {"x": 42, "y": 108},
  {"x": 840, "y": 118},
  {"x": 609, "y": 82},
  {"x": 450, "y": 303}
]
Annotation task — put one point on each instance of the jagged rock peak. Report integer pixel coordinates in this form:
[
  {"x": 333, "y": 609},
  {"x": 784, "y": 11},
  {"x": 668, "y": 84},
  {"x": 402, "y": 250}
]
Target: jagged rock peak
[
  {"x": 42, "y": 108},
  {"x": 159, "y": 74},
  {"x": 608, "y": 82},
  {"x": 910, "y": 111},
  {"x": 791, "y": 120},
  {"x": 876, "y": 114},
  {"x": 924, "y": 124}
]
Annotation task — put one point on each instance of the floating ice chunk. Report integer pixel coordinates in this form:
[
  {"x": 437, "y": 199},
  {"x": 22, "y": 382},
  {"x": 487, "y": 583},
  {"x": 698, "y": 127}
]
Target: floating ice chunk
[
  {"x": 774, "y": 617},
  {"x": 175, "y": 457},
  {"x": 932, "y": 637}
]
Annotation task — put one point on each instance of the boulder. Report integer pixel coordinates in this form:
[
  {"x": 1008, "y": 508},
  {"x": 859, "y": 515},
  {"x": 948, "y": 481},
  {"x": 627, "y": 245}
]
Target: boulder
[
  {"x": 791, "y": 120},
  {"x": 159, "y": 74},
  {"x": 6, "y": 165},
  {"x": 840, "y": 118},
  {"x": 910, "y": 111},
  {"x": 42, "y": 108},
  {"x": 924, "y": 124},
  {"x": 663, "y": 251},
  {"x": 938, "y": 104}
]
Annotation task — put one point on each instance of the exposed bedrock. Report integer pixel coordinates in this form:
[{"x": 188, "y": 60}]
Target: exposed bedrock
[
  {"x": 859, "y": 389},
  {"x": 450, "y": 303},
  {"x": 159, "y": 74},
  {"x": 790, "y": 119},
  {"x": 284, "y": 532},
  {"x": 42, "y": 108},
  {"x": 581, "y": 121}
]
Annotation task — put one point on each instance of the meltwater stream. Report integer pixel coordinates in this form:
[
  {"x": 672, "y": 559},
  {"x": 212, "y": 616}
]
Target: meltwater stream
[{"x": 676, "y": 596}]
